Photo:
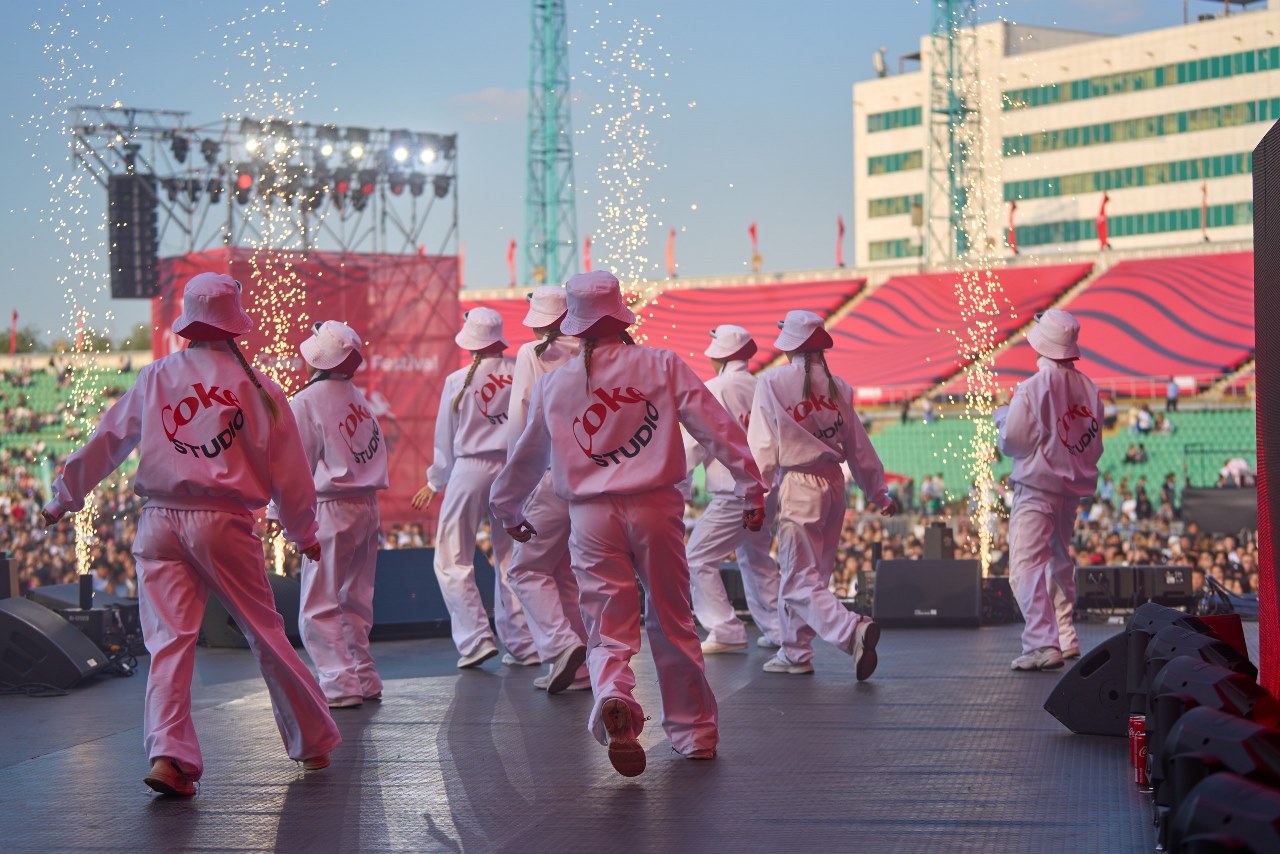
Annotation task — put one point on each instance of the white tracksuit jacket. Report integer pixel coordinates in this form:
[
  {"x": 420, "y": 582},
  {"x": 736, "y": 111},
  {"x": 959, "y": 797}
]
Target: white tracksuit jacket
[
  {"x": 719, "y": 531},
  {"x": 470, "y": 448},
  {"x": 800, "y": 443},
  {"x": 1053, "y": 430},
  {"x": 345, "y": 446},
  {"x": 209, "y": 455},
  {"x": 616, "y": 455}
]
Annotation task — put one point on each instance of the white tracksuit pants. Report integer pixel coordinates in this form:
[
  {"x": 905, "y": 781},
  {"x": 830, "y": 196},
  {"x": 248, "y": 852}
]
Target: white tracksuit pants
[
  {"x": 542, "y": 575},
  {"x": 182, "y": 557},
  {"x": 1041, "y": 571},
  {"x": 810, "y": 516},
  {"x": 613, "y": 539},
  {"x": 464, "y": 507},
  {"x": 337, "y": 597},
  {"x": 717, "y": 533}
]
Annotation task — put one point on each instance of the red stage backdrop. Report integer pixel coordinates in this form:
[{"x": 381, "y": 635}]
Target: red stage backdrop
[{"x": 405, "y": 307}]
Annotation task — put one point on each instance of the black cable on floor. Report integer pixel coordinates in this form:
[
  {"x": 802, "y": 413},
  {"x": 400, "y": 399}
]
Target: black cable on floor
[{"x": 31, "y": 689}]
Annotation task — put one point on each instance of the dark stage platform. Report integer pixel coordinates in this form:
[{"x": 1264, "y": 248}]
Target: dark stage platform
[{"x": 945, "y": 749}]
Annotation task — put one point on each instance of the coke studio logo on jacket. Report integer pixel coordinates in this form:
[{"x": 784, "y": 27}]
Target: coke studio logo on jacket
[
  {"x": 485, "y": 395},
  {"x": 359, "y": 430},
  {"x": 1077, "y": 428},
  {"x": 624, "y": 411},
  {"x": 203, "y": 423},
  {"x": 814, "y": 407}
]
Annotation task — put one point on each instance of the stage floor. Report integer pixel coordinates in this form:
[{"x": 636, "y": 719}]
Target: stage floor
[{"x": 944, "y": 749}]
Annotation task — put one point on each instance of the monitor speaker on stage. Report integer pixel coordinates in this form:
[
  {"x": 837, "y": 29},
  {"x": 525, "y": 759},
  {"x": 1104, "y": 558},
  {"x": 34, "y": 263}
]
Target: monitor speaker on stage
[
  {"x": 1091, "y": 698},
  {"x": 928, "y": 593},
  {"x": 406, "y": 596},
  {"x": 39, "y": 646},
  {"x": 1226, "y": 812},
  {"x": 220, "y": 630},
  {"x": 134, "y": 236}
]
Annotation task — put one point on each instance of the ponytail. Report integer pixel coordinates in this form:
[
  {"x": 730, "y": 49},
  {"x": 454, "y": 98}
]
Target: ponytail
[
  {"x": 832, "y": 388},
  {"x": 541, "y": 346},
  {"x": 589, "y": 346},
  {"x": 273, "y": 408},
  {"x": 475, "y": 363}
]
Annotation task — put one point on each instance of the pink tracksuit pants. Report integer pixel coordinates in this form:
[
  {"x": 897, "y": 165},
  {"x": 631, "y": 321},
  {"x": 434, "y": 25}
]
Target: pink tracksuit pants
[
  {"x": 718, "y": 532},
  {"x": 612, "y": 540},
  {"x": 182, "y": 557},
  {"x": 1041, "y": 570},
  {"x": 337, "y": 597}
]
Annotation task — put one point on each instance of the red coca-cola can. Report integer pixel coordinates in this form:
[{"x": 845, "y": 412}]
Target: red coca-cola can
[{"x": 1137, "y": 726}]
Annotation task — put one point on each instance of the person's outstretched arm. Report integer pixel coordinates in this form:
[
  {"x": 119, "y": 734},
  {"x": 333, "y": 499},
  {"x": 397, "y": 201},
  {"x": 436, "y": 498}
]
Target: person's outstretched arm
[
  {"x": 117, "y": 434},
  {"x": 525, "y": 466},
  {"x": 717, "y": 431}
]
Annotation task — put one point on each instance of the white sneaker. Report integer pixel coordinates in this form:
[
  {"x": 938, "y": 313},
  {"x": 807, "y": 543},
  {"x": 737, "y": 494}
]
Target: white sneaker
[
  {"x": 1071, "y": 652},
  {"x": 865, "y": 638},
  {"x": 583, "y": 684},
  {"x": 565, "y": 668},
  {"x": 764, "y": 643},
  {"x": 346, "y": 702},
  {"x": 1044, "y": 658},
  {"x": 485, "y": 651},
  {"x": 779, "y": 665},
  {"x": 511, "y": 661},
  {"x": 710, "y": 647}
]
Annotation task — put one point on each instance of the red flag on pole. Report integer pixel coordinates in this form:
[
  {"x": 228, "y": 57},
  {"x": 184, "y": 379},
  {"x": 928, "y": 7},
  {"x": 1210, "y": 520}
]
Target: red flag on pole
[
  {"x": 511, "y": 260},
  {"x": 756, "y": 260},
  {"x": 586, "y": 253},
  {"x": 1103, "y": 243},
  {"x": 671, "y": 254},
  {"x": 1013, "y": 230},
  {"x": 1204, "y": 210},
  {"x": 839, "y": 240},
  {"x": 13, "y": 333}
]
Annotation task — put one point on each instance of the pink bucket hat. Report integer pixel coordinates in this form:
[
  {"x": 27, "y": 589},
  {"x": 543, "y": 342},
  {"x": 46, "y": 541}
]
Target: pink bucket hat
[
  {"x": 592, "y": 297},
  {"x": 727, "y": 339},
  {"x": 798, "y": 328},
  {"x": 331, "y": 344},
  {"x": 211, "y": 309},
  {"x": 1055, "y": 335},
  {"x": 481, "y": 329},
  {"x": 547, "y": 304}
]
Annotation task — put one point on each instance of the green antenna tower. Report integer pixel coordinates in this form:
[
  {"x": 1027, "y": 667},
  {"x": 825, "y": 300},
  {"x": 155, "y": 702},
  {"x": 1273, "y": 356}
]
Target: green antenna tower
[
  {"x": 954, "y": 165},
  {"x": 550, "y": 223}
]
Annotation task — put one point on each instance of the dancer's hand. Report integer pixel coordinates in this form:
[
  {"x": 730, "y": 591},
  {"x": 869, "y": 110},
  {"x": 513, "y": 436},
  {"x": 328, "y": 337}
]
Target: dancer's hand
[
  {"x": 890, "y": 509},
  {"x": 271, "y": 529},
  {"x": 522, "y": 533},
  {"x": 49, "y": 521},
  {"x": 313, "y": 552},
  {"x": 422, "y": 498},
  {"x": 753, "y": 520}
]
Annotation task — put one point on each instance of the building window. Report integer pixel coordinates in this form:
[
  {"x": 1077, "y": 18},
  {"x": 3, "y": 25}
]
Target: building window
[
  {"x": 903, "y": 161},
  {"x": 1126, "y": 225},
  {"x": 884, "y": 250},
  {"x": 894, "y": 119}
]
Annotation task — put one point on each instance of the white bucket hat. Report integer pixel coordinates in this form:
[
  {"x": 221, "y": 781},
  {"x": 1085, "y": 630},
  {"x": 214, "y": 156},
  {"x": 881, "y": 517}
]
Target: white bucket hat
[
  {"x": 1055, "y": 334},
  {"x": 212, "y": 300},
  {"x": 331, "y": 344},
  {"x": 798, "y": 328},
  {"x": 481, "y": 329},
  {"x": 592, "y": 297},
  {"x": 547, "y": 304},
  {"x": 727, "y": 339}
]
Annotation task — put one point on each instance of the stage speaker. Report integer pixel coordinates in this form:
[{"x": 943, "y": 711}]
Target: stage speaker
[
  {"x": 1173, "y": 641},
  {"x": 1226, "y": 812},
  {"x": 1205, "y": 741},
  {"x": 928, "y": 593},
  {"x": 1147, "y": 620},
  {"x": 37, "y": 645},
  {"x": 998, "y": 605},
  {"x": 133, "y": 236},
  {"x": 731, "y": 578},
  {"x": 1090, "y": 698},
  {"x": 406, "y": 596},
  {"x": 939, "y": 542},
  {"x": 220, "y": 630}
]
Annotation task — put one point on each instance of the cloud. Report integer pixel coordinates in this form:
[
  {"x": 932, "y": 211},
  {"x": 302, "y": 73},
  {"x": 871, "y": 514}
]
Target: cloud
[{"x": 493, "y": 104}]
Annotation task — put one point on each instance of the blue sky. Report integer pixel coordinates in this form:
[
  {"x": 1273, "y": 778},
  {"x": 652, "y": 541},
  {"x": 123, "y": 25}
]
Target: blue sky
[{"x": 758, "y": 124}]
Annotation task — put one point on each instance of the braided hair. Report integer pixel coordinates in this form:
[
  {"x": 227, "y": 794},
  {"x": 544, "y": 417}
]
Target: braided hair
[
  {"x": 541, "y": 346},
  {"x": 475, "y": 363},
  {"x": 273, "y": 408},
  {"x": 832, "y": 389},
  {"x": 589, "y": 346}
]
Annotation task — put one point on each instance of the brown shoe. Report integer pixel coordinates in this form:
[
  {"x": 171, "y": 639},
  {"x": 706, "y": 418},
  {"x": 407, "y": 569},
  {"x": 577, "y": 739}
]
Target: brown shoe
[
  {"x": 625, "y": 752},
  {"x": 168, "y": 779}
]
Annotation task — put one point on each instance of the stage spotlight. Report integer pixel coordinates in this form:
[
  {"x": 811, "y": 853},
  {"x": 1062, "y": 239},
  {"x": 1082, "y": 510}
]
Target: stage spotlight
[
  {"x": 427, "y": 156},
  {"x": 179, "y": 145},
  {"x": 417, "y": 184},
  {"x": 267, "y": 180},
  {"x": 252, "y": 145},
  {"x": 400, "y": 154},
  {"x": 214, "y": 188},
  {"x": 171, "y": 189},
  {"x": 193, "y": 190},
  {"x": 244, "y": 184},
  {"x": 342, "y": 182},
  {"x": 313, "y": 198},
  {"x": 441, "y": 185},
  {"x": 209, "y": 149},
  {"x": 281, "y": 146},
  {"x": 397, "y": 181},
  {"x": 326, "y": 149},
  {"x": 368, "y": 178},
  {"x": 356, "y": 151}
]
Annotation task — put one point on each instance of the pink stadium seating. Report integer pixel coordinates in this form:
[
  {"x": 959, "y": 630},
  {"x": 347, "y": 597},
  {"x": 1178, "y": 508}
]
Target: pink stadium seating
[
  {"x": 1161, "y": 318},
  {"x": 898, "y": 341}
]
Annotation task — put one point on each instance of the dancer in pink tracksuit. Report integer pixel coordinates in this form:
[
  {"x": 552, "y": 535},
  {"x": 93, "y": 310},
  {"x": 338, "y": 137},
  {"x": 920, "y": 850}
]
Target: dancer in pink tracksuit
[
  {"x": 541, "y": 573},
  {"x": 802, "y": 428},
  {"x": 348, "y": 458},
  {"x": 470, "y": 449},
  {"x": 607, "y": 423},
  {"x": 1052, "y": 430},
  {"x": 216, "y": 441},
  {"x": 719, "y": 530}
]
